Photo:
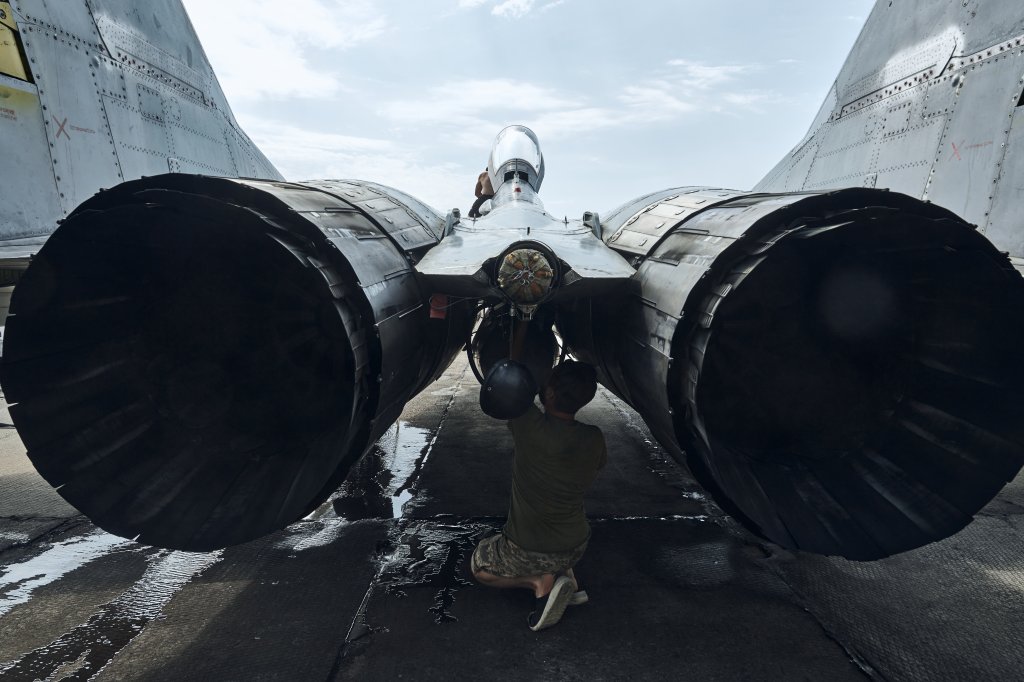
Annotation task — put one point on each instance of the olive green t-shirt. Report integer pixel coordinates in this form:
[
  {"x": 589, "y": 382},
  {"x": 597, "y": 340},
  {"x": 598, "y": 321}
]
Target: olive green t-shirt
[{"x": 556, "y": 460}]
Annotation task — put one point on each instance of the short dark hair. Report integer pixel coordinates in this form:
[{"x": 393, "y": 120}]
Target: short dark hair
[{"x": 574, "y": 384}]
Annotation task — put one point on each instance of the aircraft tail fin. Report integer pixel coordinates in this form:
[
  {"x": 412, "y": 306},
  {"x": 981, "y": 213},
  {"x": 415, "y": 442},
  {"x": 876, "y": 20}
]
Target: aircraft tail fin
[
  {"x": 95, "y": 93},
  {"x": 930, "y": 103}
]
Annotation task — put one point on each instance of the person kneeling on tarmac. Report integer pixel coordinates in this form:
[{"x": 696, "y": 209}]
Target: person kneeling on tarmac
[{"x": 556, "y": 460}]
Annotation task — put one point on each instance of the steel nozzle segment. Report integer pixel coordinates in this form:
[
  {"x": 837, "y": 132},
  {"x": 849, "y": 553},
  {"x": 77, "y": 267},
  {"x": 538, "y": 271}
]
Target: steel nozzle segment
[
  {"x": 194, "y": 363},
  {"x": 842, "y": 371},
  {"x": 854, "y": 384}
]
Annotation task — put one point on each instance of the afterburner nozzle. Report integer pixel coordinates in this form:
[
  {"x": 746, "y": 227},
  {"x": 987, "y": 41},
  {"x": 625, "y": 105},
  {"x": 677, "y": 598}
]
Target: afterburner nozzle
[
  {"x": 842, "y": 371},
  {"x": 856, "y": 386},
  {"x": 195, "y": 362}
]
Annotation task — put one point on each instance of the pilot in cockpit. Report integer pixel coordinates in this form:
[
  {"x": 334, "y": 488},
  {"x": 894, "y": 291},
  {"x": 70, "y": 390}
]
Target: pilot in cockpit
[
  {"x": 484, "y": 191},
  {"x": 515, "y": 161}
]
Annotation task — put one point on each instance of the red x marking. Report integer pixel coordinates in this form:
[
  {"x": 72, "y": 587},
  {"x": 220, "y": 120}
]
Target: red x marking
[
  {"x": 62, "y": 125},
  {"x": 956, "y": 151}
]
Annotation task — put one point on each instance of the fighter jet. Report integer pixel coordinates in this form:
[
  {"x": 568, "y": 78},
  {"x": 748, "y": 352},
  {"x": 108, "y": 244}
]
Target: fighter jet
[{"x": 196, "y": 361}]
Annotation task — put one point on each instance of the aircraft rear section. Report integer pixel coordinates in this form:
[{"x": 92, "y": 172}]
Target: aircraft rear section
[
  {"x": 842, "y": 370},
  {"x": 197, "y": 362}
]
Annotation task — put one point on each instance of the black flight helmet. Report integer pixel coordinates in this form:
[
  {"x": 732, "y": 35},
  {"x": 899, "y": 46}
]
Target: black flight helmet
[{"x": 508, "y": 390}]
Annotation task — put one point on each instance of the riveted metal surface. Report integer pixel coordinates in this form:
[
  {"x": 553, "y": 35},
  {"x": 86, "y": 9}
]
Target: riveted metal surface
[
  {"x": 412, "y": 224},
  {"x": 967, "y": 156},
  {"x": 641, "y": 231},
  {"x": 1004, "y": 224},
  {"x": 122, "y": 94},
  {"x": 923, "y": 106}
]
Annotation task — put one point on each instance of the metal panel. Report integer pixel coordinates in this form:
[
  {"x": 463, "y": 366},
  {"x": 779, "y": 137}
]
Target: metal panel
[
  {"x": 164, "y": 54},
  {"x": 195, "y": 138},
  {"x": 76, "y": 124},
  {"x": 141, "y": 142},
  {"x": 897, "y": 119},
  {"x": 71, "y": 20},
  {"x": 795, "y": 176},
  {"x": 973, "y": 144},
  {"x": 614, "y": 219},
  {"x": 888, "y": 69},
  {"x": 904, "y": 161},
  {"x": 151, "y": 104},
  {"x": 1006, "y": 220},
  {"x": 30, "y": 205},
  {"x": 409, "y": 222},
  {"x": 642, "y": 232},
  {"x": 848, "y": 159}
]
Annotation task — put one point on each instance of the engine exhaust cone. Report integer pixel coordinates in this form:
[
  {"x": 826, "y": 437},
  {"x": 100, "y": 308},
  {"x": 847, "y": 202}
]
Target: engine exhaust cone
[
  {"x": 182, "y": 373},
  {"x": 856, "y": 387}
]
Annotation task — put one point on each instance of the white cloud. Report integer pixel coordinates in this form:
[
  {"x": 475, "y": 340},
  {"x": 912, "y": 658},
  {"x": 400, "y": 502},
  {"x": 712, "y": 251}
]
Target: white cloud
[
  {"x": 752, "y": 99},
  {"x": 513, "y": 8},
  {"x": 552, "y": 5},
  {"x": 257, "y": 49},
  {"x": 468, "y": 113},
  {"x": 302, "y": 154},
  {"x": 656, "y": 97},
  {"x": 703, "y": 76},
  {"x": 510, "y": 9}
]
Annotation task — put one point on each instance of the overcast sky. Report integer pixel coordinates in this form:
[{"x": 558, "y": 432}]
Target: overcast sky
[{"x": 626, "y": 97}]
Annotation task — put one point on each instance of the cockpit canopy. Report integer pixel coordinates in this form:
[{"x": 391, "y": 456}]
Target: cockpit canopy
[{"x": 516, "y": 153}]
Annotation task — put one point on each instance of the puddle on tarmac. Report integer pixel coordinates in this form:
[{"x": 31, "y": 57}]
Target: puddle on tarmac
[
  {"x": 83, "y": 652},
  {"x": 14, "y": 538},
  {"x": 19, "y": 581},
  {"x": 324, "y": 532},
  {"x": 432, "y": 555},
  {"x": 380, "y": 483}
]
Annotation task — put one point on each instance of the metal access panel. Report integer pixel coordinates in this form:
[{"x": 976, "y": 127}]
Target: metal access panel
[
  {"x": 969, "y": 156},
  {"x": 195, "y": 138},
  {"x": 141, "y": 141},
  {"x": 1006, "y": 220},
  {"x": 904, "y": 161},
  {"x": 81, "y": 146},
  {"x": 247, "y": 160},
  {"x": 29, "y": 200},
  {"x": 796, "y": 175},
  {"x": 843, "y": 160},
  {"x": 72, "y": 20}
]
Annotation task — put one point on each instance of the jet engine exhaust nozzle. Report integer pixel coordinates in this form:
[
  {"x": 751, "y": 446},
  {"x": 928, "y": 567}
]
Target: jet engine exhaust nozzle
[
  {"x": 194, "y": 362},
  {"x": 846, "y": 374},
  {"x": 857, "y": 388}
]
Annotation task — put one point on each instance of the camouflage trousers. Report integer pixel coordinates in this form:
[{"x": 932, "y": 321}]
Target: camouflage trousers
[{"x": 500, "y": 556}]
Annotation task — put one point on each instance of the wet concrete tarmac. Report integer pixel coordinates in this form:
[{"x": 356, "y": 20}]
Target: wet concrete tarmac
[{"x": 375, "y": 584}]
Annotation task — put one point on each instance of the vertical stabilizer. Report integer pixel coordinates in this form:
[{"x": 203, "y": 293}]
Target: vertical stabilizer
[
  {"x": 929, "y": 103},
  {"x": 96, "y": 92}
]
